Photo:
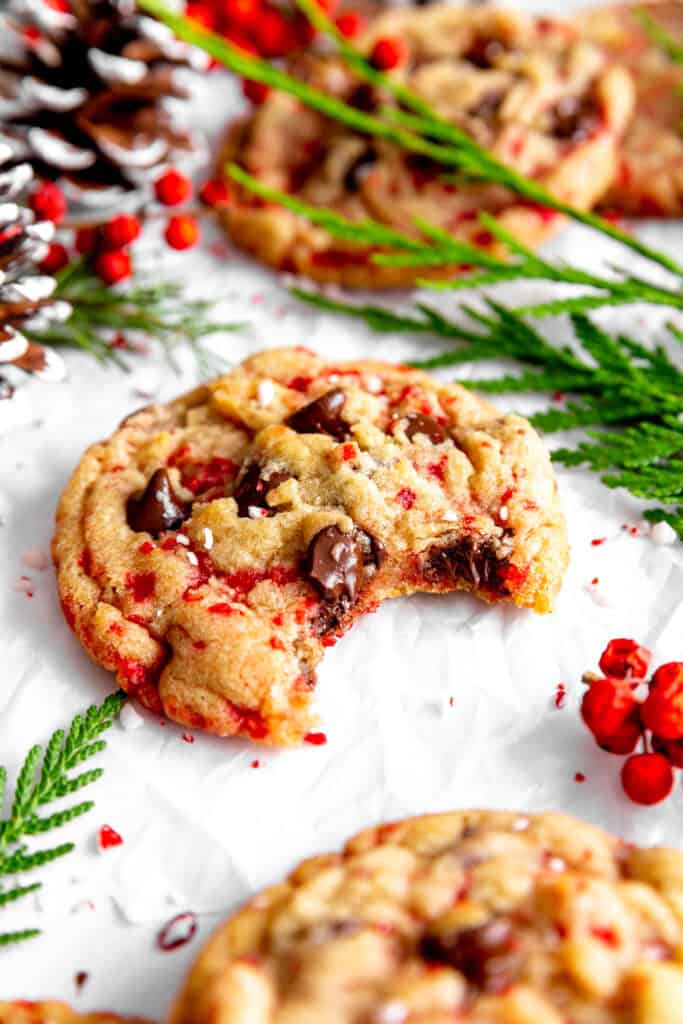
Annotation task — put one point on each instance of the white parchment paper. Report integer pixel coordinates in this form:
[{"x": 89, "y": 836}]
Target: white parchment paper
[{"x": 432, "y": 703}]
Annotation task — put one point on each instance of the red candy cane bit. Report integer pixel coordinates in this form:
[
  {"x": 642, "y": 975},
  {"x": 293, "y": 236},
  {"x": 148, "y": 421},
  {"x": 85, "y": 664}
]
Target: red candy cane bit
[
  {"x": 141, "y": 584},
  {"x": 316, "y": 739},
  {"x": 406, "y": 498},
  {"x": 560, "y": 694},
  {"x": 107, "y": 838},
  {"x": 597, "y": 541},
  {"x": 579, "y": 777},
  {"x": 177, "y": 932}
]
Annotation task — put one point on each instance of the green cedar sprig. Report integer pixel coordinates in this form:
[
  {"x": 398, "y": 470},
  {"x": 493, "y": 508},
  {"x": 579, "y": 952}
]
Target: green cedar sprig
[
  {"x": 614, "y": 381},
  {"x": 46, "y": 776},
  {"x": 420, "y": 131},
  {"x": 157, "y": 310}
]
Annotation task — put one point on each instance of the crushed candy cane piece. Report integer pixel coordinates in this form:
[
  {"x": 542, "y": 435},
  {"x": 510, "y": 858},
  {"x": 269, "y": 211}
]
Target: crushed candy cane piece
[
  {"x": 266, "y": 392},
  {"x": 107, "y": 837}
]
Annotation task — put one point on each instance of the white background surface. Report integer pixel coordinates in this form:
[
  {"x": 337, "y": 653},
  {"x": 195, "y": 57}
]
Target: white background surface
[{"x": 202, "y": 828}]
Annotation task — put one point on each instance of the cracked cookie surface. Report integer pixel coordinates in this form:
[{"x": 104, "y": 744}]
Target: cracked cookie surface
[
  {"x": 212, "y": 549},
  {"x": 479, "y": 916},
  {"x": 22, "y": 1011},
  {"x": 543, "y": 100},
  {"x": 649, "y": 179}
]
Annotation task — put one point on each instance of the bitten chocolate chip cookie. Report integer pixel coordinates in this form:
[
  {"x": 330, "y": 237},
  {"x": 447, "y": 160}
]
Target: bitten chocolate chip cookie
[
  {"x": 24, "y": 1012},
  {"x": 649, "y": 180},
  {"x": 213, "y": 548},
  {"x": 472, "y": 916},
  {"x": 540, "y": 98}
]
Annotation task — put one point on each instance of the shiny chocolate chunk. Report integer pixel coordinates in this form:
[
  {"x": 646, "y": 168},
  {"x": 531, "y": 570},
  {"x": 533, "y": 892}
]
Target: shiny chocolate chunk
[
  {"x": 573, "y": 119},
  {"x": 334, "y": 565},
  {"x": 483, "y": 52},
  {"x": 253, "y": 487},
  {"x": 321, "y": 416},
  {"x": 464, "y": 561},
  {"x": 488, "y": 955},
  {"x": 364, "y": 97},
  {"x": 418, "y": 423},
  {"x": 359, "y": 169},
  {"x": 158, "y": 508}
]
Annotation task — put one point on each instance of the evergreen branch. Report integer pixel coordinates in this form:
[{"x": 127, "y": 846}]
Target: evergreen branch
[
  {"x": 157, "y": 311},
  {"x": 455, "y": 149},
  {"x": 9, "y": 938},
  {"x": 616, "y": 381},
  {"x": 45, "y": 777}
]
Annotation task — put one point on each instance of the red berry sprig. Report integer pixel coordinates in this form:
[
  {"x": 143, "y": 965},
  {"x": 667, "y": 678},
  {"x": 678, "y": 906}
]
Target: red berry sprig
[{"x": 620, "y": 720}]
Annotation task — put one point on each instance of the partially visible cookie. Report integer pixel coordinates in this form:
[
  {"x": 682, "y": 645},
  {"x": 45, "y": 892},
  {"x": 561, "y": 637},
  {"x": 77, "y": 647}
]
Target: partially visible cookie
[
  {"x": 474, "y": 916},
  {"x": 22, "y": 1011},
  {"x": 540, "y": 98},
  {"x": 213, "y": 548},
  {"x": 649, "y": 180}
]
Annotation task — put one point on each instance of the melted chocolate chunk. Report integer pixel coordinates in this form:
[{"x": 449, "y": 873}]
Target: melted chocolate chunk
[
  {"x": 573, "y": 119},
  {"x": 252, "y": 488},
  {"x": 334, "y": 563},
  {"x": 6, "y": 389},
  {"x": 483, "y": 52},
  {"x": 488, "y": 955},
  {"x": 418, "y": 423},
  {"x": 321, "y": 416},
  {"x": 158, "y": 508},
  {"x": 488, "y": 105},
  {"x": 359, "y": 169},
  {"x": 364, "y": 97},
  {"x": 464, "y": 560}
]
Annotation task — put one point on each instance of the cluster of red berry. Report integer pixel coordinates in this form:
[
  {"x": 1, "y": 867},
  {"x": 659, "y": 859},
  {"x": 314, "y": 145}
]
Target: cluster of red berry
[
  {"x": 621, "y": 718},
  {"x": 106, "y": 245}
]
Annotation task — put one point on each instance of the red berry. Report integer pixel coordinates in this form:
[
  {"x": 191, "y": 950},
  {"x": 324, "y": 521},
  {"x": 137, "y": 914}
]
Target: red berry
[
  {"x": 607, "y": 705},
  {"x": 244, "y": 13},
  {"x": 625, "y": 740},
  {"x": 387, "y": 53},
  {"x": 173, "y": 188},
  {"x": 114, "y": 265},
  {"x": 182, "y": 232},
  {"x": 671, "y": 749},
  {"x": 663, "y": 709},
  {"x": 256, "y": 92},
  {"x": 202, "y": 14},
  {"x": 120, "y": 231},
  {"x": 48, "y": 202},
  {"x": 87, "y": 240},
  {"x": 215, "y": 192},
  {"x": 108, "y": 837},
  {"x": 273, "y": 33},
  {"x": 625, "y": 659},
  {"x": 647, "y": 778},
  {"x": 350, "y": 24},
  {"x": 57, "y": 257}
]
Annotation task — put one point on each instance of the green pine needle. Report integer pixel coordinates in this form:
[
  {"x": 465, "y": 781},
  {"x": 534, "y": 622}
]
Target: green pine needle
[
  {"x": 158, "y": 311},
  {"x": 46, "y": 776}
]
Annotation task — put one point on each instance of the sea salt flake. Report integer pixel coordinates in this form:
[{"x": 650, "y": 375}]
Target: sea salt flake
[
  {"x": 130, "y": 717},
  {"x": 664, "y": 534},
  {"x": 36, "y": 558},
  {"x": 208, "y": 538},
  {"x": 266, "y": 392}
]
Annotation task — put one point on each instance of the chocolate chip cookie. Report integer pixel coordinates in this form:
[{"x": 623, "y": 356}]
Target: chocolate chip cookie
[
  {"x": 476, "y": 916},
  {"x": 212, "y": 548},
  {"x": 23, "y": 1011},
  {"x": 545, "y": 101},
  {"x": 649, "y": 180}
]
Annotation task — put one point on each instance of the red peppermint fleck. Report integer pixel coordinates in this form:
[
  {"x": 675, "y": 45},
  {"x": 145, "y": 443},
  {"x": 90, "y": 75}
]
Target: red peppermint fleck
[
  {"x": 451, "y": 701},
  {"x": 560, "y": 694},
  {"x": 117, "y": 628},
  {"x": 277, "y": 620},
  {"x": 316, "y": 739},
  {"x": 256, "y": 764},
  {"x": 579, "y": 777},
  {"x": 146, "y": 547},
  {"x": 222, "y": 608},
  {"x": 187, "y": 737},
  {"x": 276, "y": 643},
  {"x": 406, "y": 498},
  {"x": 438, "y": 469},
  {"x": 142, "y": 585},
  {"x": 595, "y": 581},
  {"x": 606, "y": 934},
  {"x": 177, "y": 932},
  {"x": 199, "y": 645},
  {"x": 107, "y": 838},
  {"x": 597, "y": 541},
  {"x": 300, "y": 383},
  {"x": 328, "y": 641},
  {"x": 348, "y": 452}
]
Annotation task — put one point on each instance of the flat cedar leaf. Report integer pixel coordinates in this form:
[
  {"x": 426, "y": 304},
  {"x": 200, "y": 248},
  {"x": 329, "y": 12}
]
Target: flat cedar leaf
[
  {"x": 11, "y": 938},
  {"x": 17, "y": 893}
]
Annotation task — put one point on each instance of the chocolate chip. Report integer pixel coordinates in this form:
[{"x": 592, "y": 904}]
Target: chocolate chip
[
  {"x": 418, "y": 423},
  {"x": 321, "y": 416},
  {"x": 158, "y": 508},
  {"x": 488, "y": 105},
  {"x": 6, "y": 389},
  {"x": 334, "y": 564},
  {"x": 483, "y": 52},
  {"x": 488, "y": 954},
  {"x": 573, "y": 119},
  {"x": 253, "y": 487},
  {"x": 364, "y": 97},
  {"x": 464, "y": 561},
  {"x": 359, "y": 169}
]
